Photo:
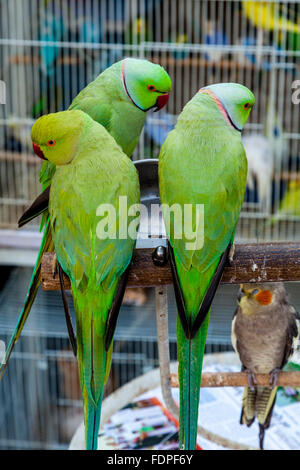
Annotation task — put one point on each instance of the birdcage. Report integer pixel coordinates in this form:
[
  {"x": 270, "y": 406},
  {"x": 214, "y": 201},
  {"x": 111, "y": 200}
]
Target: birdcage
[{"x": 49, "y": 50}]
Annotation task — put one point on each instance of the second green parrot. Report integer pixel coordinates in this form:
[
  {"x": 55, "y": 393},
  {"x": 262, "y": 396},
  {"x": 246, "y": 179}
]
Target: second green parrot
[
  {"x": 202, "y": 181},
  {"x": 92, "y": 178}
]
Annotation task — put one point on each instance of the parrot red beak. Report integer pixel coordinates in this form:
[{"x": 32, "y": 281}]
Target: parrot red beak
[
  {"x": 38, "y": 151},
  {"x": 162, "y": 101}
]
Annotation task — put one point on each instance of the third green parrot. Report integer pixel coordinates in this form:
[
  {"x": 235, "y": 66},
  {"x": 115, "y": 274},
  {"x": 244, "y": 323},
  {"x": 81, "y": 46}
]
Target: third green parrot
[
  {"x": 202, "y": 181},
  {"x": 93, "y": 236},
  {"x": 118, "y": 99},
  {"x": 289, "y": 204}
]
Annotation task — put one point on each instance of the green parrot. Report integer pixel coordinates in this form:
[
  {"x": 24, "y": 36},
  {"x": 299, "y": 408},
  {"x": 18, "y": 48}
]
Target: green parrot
[
  {"x": 118, "y": 99},
  {"x": 91, "y": 172},
  {"x": 290, "y": 203},
  {"x": 202, "y": 176}
]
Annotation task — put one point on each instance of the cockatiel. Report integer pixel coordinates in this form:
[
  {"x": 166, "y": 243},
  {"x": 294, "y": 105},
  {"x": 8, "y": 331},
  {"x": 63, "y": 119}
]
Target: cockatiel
[
  {"x": 264, "y": 328},
  {"x": 203, "y": 169},
  {"x": 92, "y": 172},
  {"x": 118, "y": 99}
]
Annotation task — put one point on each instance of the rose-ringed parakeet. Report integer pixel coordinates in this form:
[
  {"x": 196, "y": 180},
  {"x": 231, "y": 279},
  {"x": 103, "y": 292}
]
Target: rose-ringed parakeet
[
  {"x": 202, "y": 162},
  {"x": 118, "y": 99},
  {"x": 93, "y": 251},
  {"x": 264, "y": 328}
]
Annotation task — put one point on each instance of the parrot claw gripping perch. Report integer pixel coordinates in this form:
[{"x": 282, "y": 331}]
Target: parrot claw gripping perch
[
  {"x": 231, "y": 254},
  {"x": 54, "y": 266},
  {"x": 251, "y": 379},
  {"x": 191, "y": 330},
  {"x": 274, "y": 377}
]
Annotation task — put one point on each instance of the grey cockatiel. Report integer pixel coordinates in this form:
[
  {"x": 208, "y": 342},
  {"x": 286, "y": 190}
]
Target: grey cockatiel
[{"x": 264, "y": 328}]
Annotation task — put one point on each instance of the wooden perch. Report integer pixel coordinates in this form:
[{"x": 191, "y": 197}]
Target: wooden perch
[
  {"x": 265, "y": 262},
  {"x": 240, "y": 379}
]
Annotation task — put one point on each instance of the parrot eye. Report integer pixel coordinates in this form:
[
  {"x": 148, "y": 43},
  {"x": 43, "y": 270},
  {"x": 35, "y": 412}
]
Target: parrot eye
[
  {"x": 246, "y": 105},
  {"x": 255, "y": 291},
  {"x": 51, "y": 143},
  {"x": 151, "y": 87}
]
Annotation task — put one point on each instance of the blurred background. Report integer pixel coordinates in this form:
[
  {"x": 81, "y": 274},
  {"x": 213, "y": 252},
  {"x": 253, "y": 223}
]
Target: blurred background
[{"x": 50, "y": 50}]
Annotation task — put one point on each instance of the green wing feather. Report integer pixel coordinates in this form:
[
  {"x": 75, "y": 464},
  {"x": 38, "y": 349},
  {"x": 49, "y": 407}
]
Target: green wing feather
[{"x": 215, "y": 176}]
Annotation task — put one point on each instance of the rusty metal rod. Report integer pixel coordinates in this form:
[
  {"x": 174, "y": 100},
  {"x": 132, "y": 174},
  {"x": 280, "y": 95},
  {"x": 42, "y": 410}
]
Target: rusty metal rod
[
  {"x": 264, "y": 262},
  {"x": 240, "y": 379}
]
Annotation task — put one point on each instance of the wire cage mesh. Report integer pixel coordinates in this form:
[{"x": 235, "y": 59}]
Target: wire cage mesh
[{"x": 51, "y": 49}]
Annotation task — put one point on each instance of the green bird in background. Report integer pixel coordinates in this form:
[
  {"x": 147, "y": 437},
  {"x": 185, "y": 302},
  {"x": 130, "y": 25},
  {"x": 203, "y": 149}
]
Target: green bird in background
[
  {"x": 118, "y": 99},
  {"x": 289, "y": 204},
  {"x": 91, "y": 169},
  {"x": 202, "y": 164}
]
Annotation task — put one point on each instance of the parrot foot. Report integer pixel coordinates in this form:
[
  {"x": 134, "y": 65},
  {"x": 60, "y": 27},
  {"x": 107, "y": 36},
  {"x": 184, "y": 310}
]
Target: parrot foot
[
  {"x": 54, "y": 265},
  {"x": 251, "y": 379},
  {"x": 231, "y": 254},
  {"x": 274, "y": 377}
]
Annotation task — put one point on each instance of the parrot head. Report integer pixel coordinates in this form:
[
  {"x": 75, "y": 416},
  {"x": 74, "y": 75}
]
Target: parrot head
[
  {"x": 252, "y": 297},
  {"x": 235, "y": 101},
  {"x": 55, "y": 136},
  {"x": 146, "y": 84}
]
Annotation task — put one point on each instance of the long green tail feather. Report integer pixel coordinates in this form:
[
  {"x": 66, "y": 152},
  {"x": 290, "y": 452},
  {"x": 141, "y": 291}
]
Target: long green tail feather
[
  {"x": 93, "y": 360},
  {"x": 191, "y": 352},
  {"x": 190, "y": 357},
  {"x": 46, "y": 245},
  {"x": 92, "y": 416},
  {"x": 93, "y": 401}
]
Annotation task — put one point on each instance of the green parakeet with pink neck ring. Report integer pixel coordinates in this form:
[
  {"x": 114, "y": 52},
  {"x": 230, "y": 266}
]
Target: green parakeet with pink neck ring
[
  {"x": 92, "y": 175},
  {"x": 119, "y": 99},
  {"x": 202, "y": 166}
]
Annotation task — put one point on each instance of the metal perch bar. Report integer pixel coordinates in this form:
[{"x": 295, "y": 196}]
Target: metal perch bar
[
  {"x": 264, "y": 262},
  {"x": 163, "y": 349}
]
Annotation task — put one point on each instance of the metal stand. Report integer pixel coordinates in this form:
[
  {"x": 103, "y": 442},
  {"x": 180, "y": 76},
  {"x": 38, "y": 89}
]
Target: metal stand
[{"x": 165, "y": 372}]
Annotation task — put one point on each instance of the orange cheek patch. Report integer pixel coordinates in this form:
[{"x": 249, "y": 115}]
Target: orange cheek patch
[{"x": 264, "y": 297}]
